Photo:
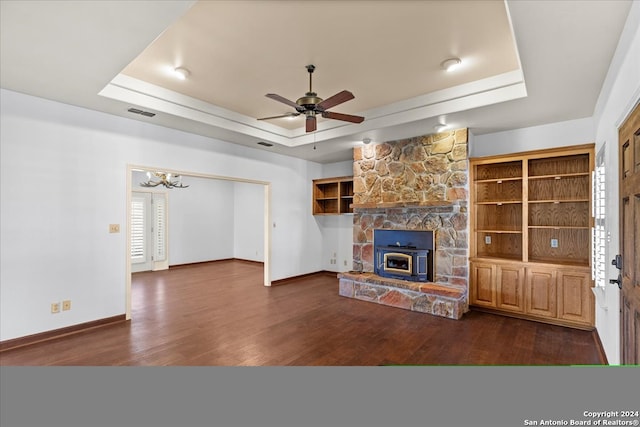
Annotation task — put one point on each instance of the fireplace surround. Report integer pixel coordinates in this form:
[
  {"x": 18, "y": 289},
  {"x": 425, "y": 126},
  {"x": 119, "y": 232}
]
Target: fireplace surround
[{"x": 417, "y": 184}]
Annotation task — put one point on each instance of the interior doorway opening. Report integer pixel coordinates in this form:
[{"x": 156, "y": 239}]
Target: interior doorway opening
[{"x": 263, "y": 188}]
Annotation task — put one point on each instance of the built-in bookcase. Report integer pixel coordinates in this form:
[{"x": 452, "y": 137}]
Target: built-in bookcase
[{"x": 531, "y": 225}]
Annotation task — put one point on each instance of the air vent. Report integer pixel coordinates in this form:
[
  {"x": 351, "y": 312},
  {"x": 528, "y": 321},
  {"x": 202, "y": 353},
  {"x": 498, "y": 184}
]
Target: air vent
[
  {"x": 266, "y": 144},
  {"x": 144, "y": 113}
]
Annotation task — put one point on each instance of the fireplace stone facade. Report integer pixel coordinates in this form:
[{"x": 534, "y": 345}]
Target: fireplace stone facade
[{"x": 418, "y": 183}]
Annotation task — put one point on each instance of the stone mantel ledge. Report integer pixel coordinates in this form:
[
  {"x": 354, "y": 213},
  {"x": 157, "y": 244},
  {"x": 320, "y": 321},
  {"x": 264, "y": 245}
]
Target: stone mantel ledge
[
  {"x": 446, "y": 300},
  {"x": 434, "y": 203}
]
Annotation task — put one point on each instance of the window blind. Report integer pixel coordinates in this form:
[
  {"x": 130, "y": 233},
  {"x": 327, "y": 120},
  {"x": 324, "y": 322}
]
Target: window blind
[
  {"x": 598, "y": 251},
  {"x": 159, "y": 219},
  {"x": 138, "y": 254}
]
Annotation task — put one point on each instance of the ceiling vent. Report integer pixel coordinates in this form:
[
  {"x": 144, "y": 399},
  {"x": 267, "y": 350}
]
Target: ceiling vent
[{"x": 144, "y": 113}]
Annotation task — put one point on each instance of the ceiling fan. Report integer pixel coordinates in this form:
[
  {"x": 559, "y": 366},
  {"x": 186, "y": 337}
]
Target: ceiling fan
[{"x": 311, "y": 105}]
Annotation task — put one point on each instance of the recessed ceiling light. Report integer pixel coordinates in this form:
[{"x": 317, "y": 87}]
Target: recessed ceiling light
[
  {"x": 440, "y": 127},
  {"x": 451, "y": 64},
  {"x": 366, "y": 141},
  {"x": 266, "y": 144},
  {"x": 181, "y": 73}
]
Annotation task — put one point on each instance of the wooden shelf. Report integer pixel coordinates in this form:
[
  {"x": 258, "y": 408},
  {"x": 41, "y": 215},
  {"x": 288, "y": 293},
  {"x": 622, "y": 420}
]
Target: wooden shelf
[
  {"x": 531, "y": 234},
  {"x": 499, "y": 230},
  {"x": 333, "y": 196},
  {"x": 500, "y": 202},
  {"x": 556, "y": 227},
  {"x": 559, "y": 176}
]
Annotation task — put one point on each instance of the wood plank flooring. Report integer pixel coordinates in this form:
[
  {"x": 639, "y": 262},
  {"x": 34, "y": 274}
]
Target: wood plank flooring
[{"x": 219, "y": 314}]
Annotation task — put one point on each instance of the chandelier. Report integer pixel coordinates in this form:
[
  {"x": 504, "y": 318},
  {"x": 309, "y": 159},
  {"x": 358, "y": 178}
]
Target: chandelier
[{"x": 165, "y": 179}]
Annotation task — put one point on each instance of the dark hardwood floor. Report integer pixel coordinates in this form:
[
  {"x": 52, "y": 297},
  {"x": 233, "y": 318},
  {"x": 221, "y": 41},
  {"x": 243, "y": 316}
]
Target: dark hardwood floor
[{"x": 219, "y": 314}]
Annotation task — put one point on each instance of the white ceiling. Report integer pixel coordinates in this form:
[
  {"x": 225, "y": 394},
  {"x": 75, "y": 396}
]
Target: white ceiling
[{"x": 525, "y": 63}]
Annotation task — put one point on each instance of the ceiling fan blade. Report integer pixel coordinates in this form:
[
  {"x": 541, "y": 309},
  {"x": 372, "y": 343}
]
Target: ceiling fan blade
[
  {"x": 282, "y": 99},
  {"x": 310, "y": 123},
  {"x": 343, "y": 117},
  {"x": 280, "y": 116},
  {"x": 334, "y": 100}
]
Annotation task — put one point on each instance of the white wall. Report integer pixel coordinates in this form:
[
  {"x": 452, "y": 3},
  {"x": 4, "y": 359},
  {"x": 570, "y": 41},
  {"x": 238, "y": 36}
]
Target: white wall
[
  {"x": 621, "y": 90},
  {"x": 201, "y": 221},
  {"x": 63, "y": 181},
  {"x": 572, "y": 132},
  {"x": 248, "y": 227},
  {"x": 337, "y": 230}
]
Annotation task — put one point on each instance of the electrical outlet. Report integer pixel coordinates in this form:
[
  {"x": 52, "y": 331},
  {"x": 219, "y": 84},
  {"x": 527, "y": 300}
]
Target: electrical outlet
[
  {"x": 114, "y": 228},
  {"x": 554, "y": 243},
  {"x": 487, "y": 240},
  {"x": 66, "y": 305},
  {"x": 345, "y": 262},
  {"x": 55, "y": 307}
]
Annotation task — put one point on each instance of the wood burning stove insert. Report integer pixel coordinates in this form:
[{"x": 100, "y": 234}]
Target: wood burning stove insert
[{"x": 404, "y": 254}]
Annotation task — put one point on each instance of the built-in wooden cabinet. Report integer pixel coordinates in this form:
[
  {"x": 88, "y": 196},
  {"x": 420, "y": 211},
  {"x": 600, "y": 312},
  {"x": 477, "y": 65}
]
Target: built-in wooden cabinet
[
  {"x": 510, "y": 288},
  {"x": 541, "y": 298},
  {"x": 332, "y": 196},
  {"x": 575, "y": 299},
  {"x": 531, "y": 234}
]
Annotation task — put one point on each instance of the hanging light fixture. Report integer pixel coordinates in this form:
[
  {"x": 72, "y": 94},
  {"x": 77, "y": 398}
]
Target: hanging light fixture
[{"x": 166, "y": 179}]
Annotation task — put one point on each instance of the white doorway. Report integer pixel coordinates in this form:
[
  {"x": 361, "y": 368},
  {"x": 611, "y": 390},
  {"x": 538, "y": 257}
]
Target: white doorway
[{"x": 132, "y": 187}]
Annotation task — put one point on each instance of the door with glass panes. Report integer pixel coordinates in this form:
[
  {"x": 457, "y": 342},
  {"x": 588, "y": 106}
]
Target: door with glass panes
[{"x": 148, "y": 224}]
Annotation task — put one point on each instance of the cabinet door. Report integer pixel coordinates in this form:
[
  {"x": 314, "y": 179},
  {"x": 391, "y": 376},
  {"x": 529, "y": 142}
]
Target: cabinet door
[
  {"x": 483, "y": 284},
  {"x": 540, "y": 298},
  {"x": 510, "y": 288},
  {"x": 575, "y": 299}
]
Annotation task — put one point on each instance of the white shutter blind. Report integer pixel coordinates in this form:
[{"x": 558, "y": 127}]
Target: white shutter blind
[
  {"x": 598, "y": 252},
  {"x": 159, "y": 219},
  {"x": 138, "y": 254}
]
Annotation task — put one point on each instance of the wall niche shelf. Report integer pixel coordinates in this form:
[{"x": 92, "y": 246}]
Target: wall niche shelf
[
  {"x": 333, "y": 196},
  {"x": 531, "y": 235}
]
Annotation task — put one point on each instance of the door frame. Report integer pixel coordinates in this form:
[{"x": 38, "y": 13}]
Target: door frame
[{"x": 266, "y": 223}]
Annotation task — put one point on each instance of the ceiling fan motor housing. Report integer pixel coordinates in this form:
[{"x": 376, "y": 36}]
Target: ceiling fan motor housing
[{"x": 309, "y": 101}]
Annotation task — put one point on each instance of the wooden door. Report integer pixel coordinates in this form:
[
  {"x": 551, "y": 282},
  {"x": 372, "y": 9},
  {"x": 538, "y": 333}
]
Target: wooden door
[{"x": 629, "y": 143}]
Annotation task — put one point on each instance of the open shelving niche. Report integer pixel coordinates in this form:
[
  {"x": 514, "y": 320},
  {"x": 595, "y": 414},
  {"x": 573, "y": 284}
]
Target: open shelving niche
[{"x": 333, "y": 196}]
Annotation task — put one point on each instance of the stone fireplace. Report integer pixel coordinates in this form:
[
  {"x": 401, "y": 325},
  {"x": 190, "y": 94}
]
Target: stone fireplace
[{"x": 417, "y": 184}]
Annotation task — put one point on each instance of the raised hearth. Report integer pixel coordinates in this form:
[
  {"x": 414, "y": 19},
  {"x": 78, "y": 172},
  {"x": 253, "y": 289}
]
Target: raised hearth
[{"x": 448, "y": 301}]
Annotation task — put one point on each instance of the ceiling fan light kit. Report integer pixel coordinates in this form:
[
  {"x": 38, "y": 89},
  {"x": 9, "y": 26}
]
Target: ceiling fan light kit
[{"x": 312, "y": 105}]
